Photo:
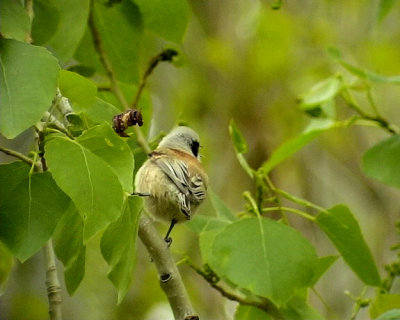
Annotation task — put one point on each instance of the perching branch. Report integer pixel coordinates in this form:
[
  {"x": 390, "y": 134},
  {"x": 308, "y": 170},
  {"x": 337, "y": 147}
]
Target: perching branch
[{"x": 170, "y": 279}]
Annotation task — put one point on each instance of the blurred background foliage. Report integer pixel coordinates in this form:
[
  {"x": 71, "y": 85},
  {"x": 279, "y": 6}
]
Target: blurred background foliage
[{"x": 247, "y": 61}]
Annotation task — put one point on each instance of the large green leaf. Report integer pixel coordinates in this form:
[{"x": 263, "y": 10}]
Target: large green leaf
[
  {"x": 222, "y": 211},
  {"x": 106, "y": 144},
  {"x": 343, "y": 230},
  {"x": 28, "y": 82},
  {"x": 45, "y": 21},
  {"x": 88, "y": 180},
  {"x": 166, "y": 18},
  {"x": 122, "y": 45},
  {"x": 250, "y": 313},
  {"x": 393, "y": 314},
  {"x": 383, "y": 303},
  {"x": 69, "y": 248},
  {"x": 31, "y": 211},
  {"x": 101, "y": 111},
  {"x": 118, "y": 246},
  {"x": 298, "y": 308},
  {"x": 79, "y": 90},
  {"x": 265, "y": 257},
  {"x": 70, "y": 28},
  {"x": 290, "y": 147},
  {"x": 382, "y": 161},
  {"x": 6, "y": 263},
  {"x": 14, "y": 20}
]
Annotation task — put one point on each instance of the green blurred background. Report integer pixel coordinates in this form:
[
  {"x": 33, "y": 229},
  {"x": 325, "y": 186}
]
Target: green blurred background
[{"x": 244, "y": 60}]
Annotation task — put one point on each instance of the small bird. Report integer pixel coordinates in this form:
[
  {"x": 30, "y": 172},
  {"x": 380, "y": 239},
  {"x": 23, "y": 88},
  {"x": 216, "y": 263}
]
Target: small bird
[{"x": 173, "y": 181}]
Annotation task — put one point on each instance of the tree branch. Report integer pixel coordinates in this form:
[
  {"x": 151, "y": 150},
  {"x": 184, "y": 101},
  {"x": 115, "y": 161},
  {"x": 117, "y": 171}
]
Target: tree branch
[
  {"x": 170, "y": 279},
  {"x": 52, "y": 283}
]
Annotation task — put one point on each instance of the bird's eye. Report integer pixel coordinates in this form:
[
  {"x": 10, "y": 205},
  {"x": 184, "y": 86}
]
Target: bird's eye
[{"x": 195, "y": 148}]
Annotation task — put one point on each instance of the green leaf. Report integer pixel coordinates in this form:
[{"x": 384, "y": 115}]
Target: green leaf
[
  {"x": 107, "y": 145},
  {"x": 208, "y": 229},
  {"x": 237, "y": 137},
  {"x": 250, "y": 313},
  {"x": 28, "y": 82},
  {"x": 223, "y": 212},
  {"x": 383, "y": 303},
  {"x": 77, "y": 89},
  {"x": 118, "y": 246},
  {"x": 14, "y": 20},
  {"x": 166, "y": 18},
  {"x": 240, "y": 147},
  {"x": 6, "y": 263},
  {"x": 362, "y": 73},
  {"x": 32, "y": 210},
  {"x": 381, "y": 162},
  {"x": 45, "y": 21},
  {"x": 290, "y": 147},
  {"x": 69, "y": 248},
  {"x": 101, "y": 111},
  {"x": 121, "y": 45},
  {"x": 88, "y": 180},
  {"x": 70, "y": 28},
  {"x": 343, "y": 230},
  {"x": 265, "y": 257},
  {"x": 298, "y": 308},
  {"x": 321, "y": 93},
  {"x": 393, "y": 314},
  {"x": 323, "y": 265},
  {"x": 384, "y": 8}
]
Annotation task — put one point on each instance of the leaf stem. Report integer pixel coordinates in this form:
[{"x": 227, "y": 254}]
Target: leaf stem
[
  {"x": 299, "y": 201},
  {"x": 20, "y": 156},
  {"x": 293, "y": 210}
]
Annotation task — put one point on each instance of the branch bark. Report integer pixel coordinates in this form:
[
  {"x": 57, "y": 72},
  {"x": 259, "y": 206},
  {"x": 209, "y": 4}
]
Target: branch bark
[
  {"x": 169, "y": 276},
  {"x": 52, "y": 283}
]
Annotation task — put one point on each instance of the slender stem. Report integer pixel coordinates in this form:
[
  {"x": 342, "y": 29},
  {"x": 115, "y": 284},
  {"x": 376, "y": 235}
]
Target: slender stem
[
  {"x": 263, "y": 304},
  {"x": 293, "y": 210},
  {"x": 52, "y": 283},
  {"x": 170, "y": 279},
  {"x": 165, "y": 55},
  {"x": 20, "y": 156},
  {"x": 98, "y": 44},
  {"x": 299, "y": 201},
  {"x": 29, "y": 10}
]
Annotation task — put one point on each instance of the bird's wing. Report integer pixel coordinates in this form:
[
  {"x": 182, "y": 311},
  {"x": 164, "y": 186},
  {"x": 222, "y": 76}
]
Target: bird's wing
[{"x": 191, "y": 188}]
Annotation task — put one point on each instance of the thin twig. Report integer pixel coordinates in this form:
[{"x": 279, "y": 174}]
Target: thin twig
[
  {"x": 98, "y": 44},
  {"x": 141, "y": 140},
  {"x": 165, "y": 55},
  {"x": 18, "y": 155},
  {"x": 264, "y": 304},
  {"x": 170, "y": 279}
]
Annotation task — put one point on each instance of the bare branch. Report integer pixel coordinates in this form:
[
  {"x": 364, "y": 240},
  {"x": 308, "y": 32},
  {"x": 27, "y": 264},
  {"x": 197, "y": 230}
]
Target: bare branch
[{"x": 19, "y": 156}]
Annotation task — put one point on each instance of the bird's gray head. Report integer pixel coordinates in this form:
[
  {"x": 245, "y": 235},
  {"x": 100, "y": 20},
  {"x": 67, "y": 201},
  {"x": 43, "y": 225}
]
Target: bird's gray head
[{"x": 182, "y": 138}]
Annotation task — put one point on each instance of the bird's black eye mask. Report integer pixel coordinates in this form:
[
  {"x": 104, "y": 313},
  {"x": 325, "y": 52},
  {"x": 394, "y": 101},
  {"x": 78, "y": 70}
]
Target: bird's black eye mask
[{"x": 195, "y": 145}]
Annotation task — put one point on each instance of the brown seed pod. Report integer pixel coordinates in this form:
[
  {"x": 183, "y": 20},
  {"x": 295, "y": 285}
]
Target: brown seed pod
[{"x": 129, "y": 118}]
